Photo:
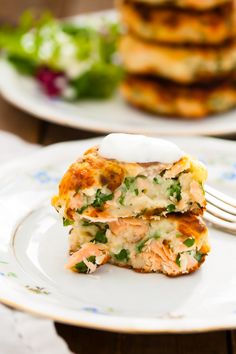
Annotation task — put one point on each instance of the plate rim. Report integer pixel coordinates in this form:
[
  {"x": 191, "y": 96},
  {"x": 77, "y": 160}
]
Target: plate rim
[{"x": 117, "y": 329}]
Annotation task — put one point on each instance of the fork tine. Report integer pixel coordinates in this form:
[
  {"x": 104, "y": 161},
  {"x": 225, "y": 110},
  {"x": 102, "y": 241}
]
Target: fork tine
[
  {"x": 214, "y": 210},
  {"x": 221, "y": 196},
  {"x": 219, "y": 204},
  {"x": 220, "y": 224},
  {"x": 221, "y": 210}
]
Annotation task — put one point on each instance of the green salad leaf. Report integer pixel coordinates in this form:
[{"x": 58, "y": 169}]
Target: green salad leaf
[{"x": 86, "y": 54}]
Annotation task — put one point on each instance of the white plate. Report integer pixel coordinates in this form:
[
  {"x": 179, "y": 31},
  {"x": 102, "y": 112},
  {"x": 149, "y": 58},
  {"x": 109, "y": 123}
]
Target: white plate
[
  {"x": 111, "y": 115},
  {"x": 33, "y": 250}
]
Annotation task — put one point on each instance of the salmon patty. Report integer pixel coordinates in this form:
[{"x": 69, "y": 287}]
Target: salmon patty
[
  {"x": 173, "y": 245},
  {"x": 170, "y": 25},
  {"x": 199, "y": 5},
  {"x": 184, "y": 64},
  {"x": 142, "y": 215},
  {"x": 103, "y": 189},
  {"x": 186, "y": 102}
]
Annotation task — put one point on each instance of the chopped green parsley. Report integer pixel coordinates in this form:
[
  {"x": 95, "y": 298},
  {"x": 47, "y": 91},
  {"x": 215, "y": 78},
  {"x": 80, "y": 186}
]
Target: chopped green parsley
[
  {"x": 81, "y": 210},
  {"x": 175, "y": 190},
  {"x": 141, "y": 244},
  {"x": 179, "y": 235},
  {"x": 123, "y": 255},
  {"x": 122, "y": 198},
  {"x": 177, "y": 261},
  {"x": 86, "y": 223},
  {"x": 129, "y": 184},
  {"x": 67, "y": 222},
  {"x": 157, "y": 180},
  {"x": 101, "y": 198},
  {"x": 100, "y": 236},
  {"x": 189, "y": 242},
  {"x": 81, "y": 266},
  {"x": 170, "y": 208},
  {"x": 198, "y": 256},
  {"x": 202, "y": 188}
]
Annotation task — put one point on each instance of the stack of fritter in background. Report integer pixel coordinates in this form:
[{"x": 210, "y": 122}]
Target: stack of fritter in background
[{"x": 179, "y": 55}]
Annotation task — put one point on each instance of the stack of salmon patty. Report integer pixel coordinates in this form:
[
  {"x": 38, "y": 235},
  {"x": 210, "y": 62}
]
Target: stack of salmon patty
[
  {"x": 179, "y": 55},
  {"x": 144, "y": 216}
]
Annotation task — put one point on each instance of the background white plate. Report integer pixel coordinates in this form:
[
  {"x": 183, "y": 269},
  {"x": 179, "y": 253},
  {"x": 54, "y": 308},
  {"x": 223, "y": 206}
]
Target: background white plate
[
  {"x": 111, "y": 115},
  {"x": 33, "y": 250}
]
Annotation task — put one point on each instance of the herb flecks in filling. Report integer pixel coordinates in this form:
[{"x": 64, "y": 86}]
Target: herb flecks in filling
[
  {"x": 202, "y": 188},
  {"x": 178, "y": 235},
  {"x": 177, "y": 261},
  {"x": 67, "y": 222},
  {"x": 81, "y": 267},
  {"x": 86, "y": 223},
  {"x": 170, "y": 208},
  {"x": 189, "y": 242},
  {"x": 141, "y": 244},
  {"x": 122, "y": 198},
  {"x": 100, "y": 236},
  {"x": 129, "y": 185},
  {"x": 198, "y": 256},
  {"x": 175, "y": 190},
  {"x": 123, "y": 255},
  {"x": 101, "y": 199},
  {"x": 82, "y": 209},
  {"x": 157, "y": 180}
]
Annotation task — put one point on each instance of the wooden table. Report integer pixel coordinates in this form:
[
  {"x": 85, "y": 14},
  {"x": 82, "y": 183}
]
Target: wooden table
[{"x": 86, "y": 341}]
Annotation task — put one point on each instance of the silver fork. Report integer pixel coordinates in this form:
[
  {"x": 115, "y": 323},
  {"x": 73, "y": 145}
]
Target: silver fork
[{"x": 221, "y": 210}]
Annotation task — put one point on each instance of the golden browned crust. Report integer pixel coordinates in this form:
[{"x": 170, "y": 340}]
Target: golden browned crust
[
  {"x": 84, "y": 173},
  {"x": 189, "y": 225},
  {"x": 75, "y": 179},
  {"x": 186, "y": 102},
  {"x": 198, "y": 5},
  {"x": 183, "y": 64},
  {"x": 190, "y": 271},
  {"x": 171, "y": 275},
  {"x": 169, "y": 25},
  {"x": 94, "y": 177}
]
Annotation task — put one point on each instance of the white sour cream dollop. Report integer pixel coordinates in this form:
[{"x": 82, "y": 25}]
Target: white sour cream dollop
[{"x": 139, "y": 148}]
